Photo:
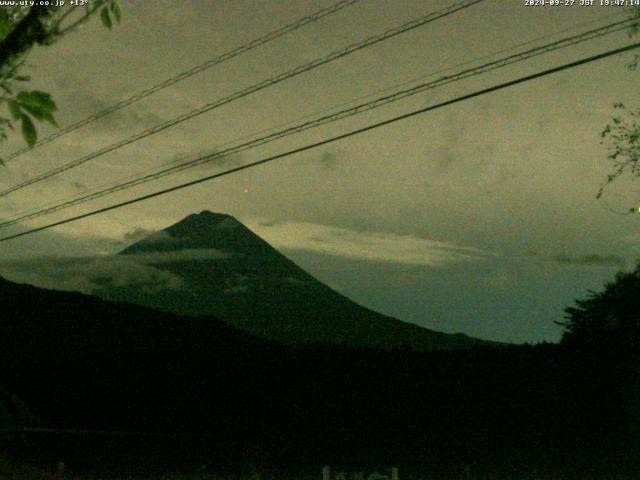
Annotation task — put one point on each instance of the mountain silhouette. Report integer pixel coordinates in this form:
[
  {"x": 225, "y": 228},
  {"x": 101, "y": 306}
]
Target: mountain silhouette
[{"x": 226, "y": 270}]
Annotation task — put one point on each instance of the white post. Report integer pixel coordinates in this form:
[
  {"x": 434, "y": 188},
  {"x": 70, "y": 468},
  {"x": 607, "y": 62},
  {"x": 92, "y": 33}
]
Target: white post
[
  {"x": 326, "y": 473},
  {"x": 394, "y": 473}
]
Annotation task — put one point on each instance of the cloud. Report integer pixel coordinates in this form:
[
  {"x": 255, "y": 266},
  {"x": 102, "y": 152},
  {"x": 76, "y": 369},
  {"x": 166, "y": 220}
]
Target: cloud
[
  {"x": 328, "y": 159},
  {"x": 268, "y": 223},
  {"x": 121, "y": 120},
  {"x": 590, "y": 260},
  {"x": 90, "y": 274},
  {"x": 139, "y": 233},
  {"x": 71, "y": 241},
  {"x": 325, "y": 160},
  {"x": 365, "y": 245},
  {"x": 159, "y": 258},
  {"x": 448, "y": 152},
  {"x": 498, "y": 280}
]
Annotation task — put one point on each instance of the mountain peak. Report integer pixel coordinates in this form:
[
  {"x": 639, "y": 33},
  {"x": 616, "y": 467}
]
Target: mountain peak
[
  {"x": 204, "y": 230},
  {"x": 206, "y": 217}
]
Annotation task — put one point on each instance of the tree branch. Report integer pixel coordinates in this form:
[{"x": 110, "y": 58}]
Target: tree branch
[
  {"x": 80, "y": 20},
  {"x": 29, "y": 31}
]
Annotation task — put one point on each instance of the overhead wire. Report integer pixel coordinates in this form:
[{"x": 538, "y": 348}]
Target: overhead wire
[
  {"x": 382, "y": 90},
  {"x": 373, "y": 126},
  {"x": 136, "y": 97},
  {"x": 330, "y": 118},
  {"x": 373, "y": 40},
  {"x": 333, "y": 108}
]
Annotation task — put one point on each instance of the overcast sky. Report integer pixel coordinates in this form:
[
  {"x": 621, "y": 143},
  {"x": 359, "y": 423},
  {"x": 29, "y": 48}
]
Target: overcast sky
[{"x": 478, "y": 218}]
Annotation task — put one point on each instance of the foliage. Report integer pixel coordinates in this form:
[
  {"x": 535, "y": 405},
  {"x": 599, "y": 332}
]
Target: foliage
[
  {"x": 515, "y": 411},
  {"x": 622, "y": 135},
  {"x": 634, "y": 14},
  {"x": 608, "y": 317},
  {"x": 21, "y": 28}
]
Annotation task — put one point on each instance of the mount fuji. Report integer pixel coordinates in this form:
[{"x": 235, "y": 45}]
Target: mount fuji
[{"x": 226, "y": 270}]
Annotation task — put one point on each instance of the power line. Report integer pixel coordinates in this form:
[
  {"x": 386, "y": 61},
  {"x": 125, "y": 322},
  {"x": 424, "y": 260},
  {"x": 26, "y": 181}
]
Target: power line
[
  {"x": 191, "y": 72},
  {"x": 373, "y": 126},
  {"x": 329, "y": 119},
  {"x": 252, "y": 89},
  {"x": 330, "y": 109},
  {"x": 326, "y": 119},
  {"x": 76, "y": 199}
]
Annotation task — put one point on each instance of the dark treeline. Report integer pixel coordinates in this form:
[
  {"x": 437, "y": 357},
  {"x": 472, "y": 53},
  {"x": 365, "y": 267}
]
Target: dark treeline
[{"x": 243, "y": 404}]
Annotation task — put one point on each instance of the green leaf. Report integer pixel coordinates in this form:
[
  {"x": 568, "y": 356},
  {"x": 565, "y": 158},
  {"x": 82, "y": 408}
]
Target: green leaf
[
  {"x": 93, "y": 6},
  {"x": 49, "y": 118},
  {"x": 6, "y": 88},
  {"x": 14, "y": 109},
  {"x": 22, "y": 78},
  {"x": 5, "y": 24},
  {"x": 36, "y": 112},
  {"x": 116, "y": 10},
  {"x": 105, "y": 17},
  {"x": 29, "y": 131},
  {"x": 37, "y": 100}
]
